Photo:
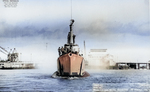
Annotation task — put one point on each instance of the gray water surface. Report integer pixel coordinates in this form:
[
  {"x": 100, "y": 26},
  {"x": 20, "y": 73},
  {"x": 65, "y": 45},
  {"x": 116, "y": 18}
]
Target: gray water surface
[{"x": 39, "y": 80}]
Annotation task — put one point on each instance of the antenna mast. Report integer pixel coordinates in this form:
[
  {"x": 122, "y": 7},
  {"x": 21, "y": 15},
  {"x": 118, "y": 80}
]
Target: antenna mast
[{"x": 71, "y": 9}]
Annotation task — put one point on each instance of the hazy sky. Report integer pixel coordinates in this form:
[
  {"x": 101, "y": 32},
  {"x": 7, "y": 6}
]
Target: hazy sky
[{"x": 121, "y": 26}]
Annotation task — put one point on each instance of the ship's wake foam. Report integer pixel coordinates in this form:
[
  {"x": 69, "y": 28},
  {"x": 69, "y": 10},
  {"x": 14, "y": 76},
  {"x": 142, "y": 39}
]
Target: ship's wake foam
[{"x": 55, "y": 75}]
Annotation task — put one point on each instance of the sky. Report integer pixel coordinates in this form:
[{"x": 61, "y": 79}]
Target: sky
[{"x": 37, "y": 28}]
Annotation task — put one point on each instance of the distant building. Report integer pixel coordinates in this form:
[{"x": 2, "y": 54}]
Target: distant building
[{"x": 100, "y": 58}]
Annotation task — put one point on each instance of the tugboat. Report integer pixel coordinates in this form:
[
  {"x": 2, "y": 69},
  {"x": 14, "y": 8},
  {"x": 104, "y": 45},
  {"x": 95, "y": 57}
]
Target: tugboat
[{"x": 70, "y": 63}]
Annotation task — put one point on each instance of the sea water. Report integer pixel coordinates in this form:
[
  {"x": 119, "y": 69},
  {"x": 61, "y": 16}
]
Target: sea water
[{"x": 99, "y": 80}]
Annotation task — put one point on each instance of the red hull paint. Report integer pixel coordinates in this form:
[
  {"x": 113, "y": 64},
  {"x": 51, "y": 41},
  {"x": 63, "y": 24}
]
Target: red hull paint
[{"x": 71, "y": 65}]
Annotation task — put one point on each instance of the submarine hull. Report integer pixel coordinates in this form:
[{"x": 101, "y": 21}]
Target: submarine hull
[{"x": 70, "y": 65}]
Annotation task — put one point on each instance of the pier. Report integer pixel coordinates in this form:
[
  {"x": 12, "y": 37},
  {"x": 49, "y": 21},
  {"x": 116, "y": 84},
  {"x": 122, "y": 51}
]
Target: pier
[{"x": 133, "y": 65}]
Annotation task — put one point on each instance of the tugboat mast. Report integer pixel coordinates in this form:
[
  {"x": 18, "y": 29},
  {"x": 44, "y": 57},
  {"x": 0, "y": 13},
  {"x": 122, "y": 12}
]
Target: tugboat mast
[{"x": 71, "y": 32}]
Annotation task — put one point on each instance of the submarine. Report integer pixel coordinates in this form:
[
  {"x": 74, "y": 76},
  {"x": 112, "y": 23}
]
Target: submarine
[{"x": 70, "y": 63}]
